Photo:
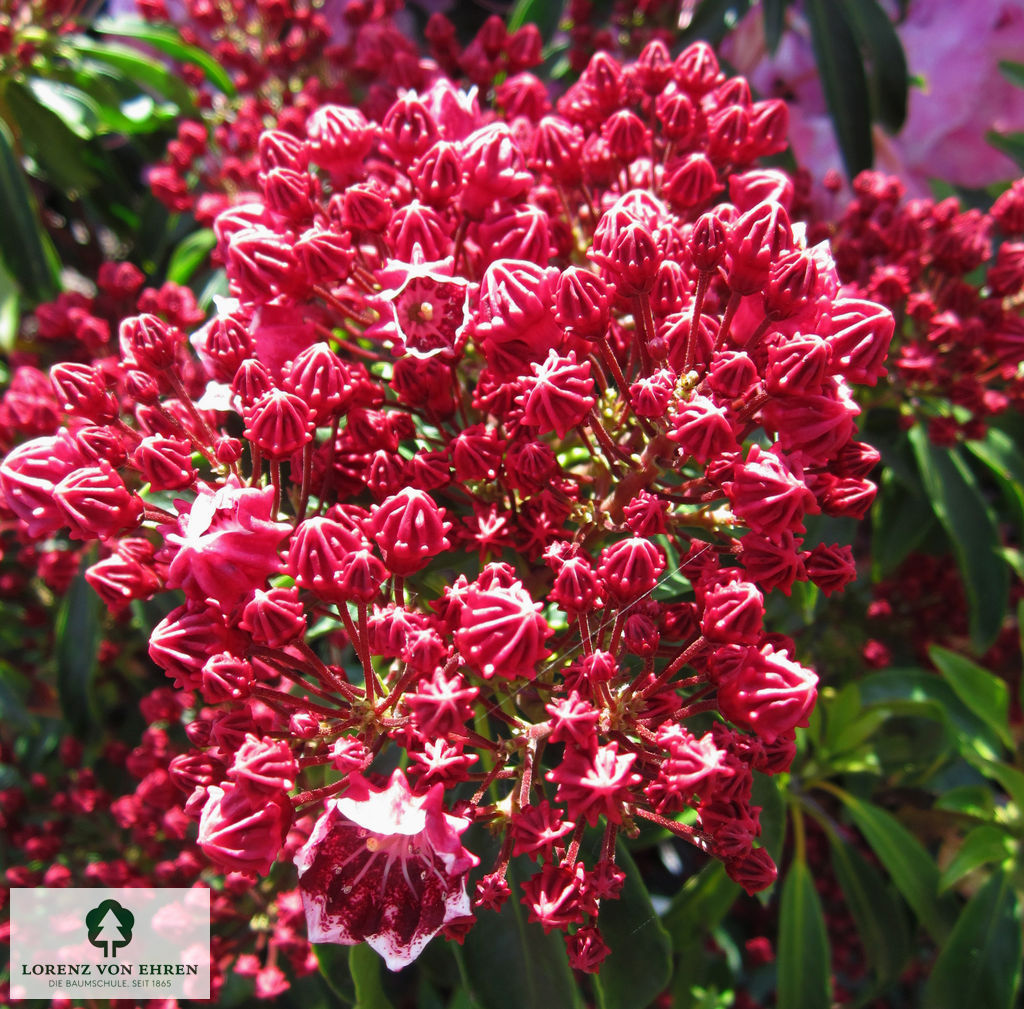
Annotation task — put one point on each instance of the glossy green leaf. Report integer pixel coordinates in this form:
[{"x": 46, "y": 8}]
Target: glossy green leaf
[
  {"x": 774, "y": 22},
  {"x": 803, "y": 955},
  {"x": 975, "y": 801},
  {"x": 544, "y": 14},
  {"x": 365, "y": 965},
  {"x": 9, "y": 313},
  {"x": 880, "y": 917},
  {"x": 700, "y": 905},
  {"x": 1020, "y": 633},
  {"x": 76, "y": 109},
  {"x": 908, "y": 864},
  {"x": 900, "y": 520},
  {"x": 1009, "y": 777},
  {"x": 12, "y": 708},
  {"x": 166, "y": 39},
  {"x": 982, "y": 692},
  {"x": 1011, "y": 144},
  {"x": 965, "y": 514},
  {"x": 190, "y": 255},
  {"x": 710, "y": 20},
  {"x": 1001, "y": 455},
  {"x": 143, "y": 71},
  {"x": 1012, "y": 71},
  {"x": 981, "y": 963},
  {"x": 333, "y": 961},
  {"x": 889, "y": 77},
  {"x": 27, "y": 251},
  {"x": 639, "y": 966},
  {"x": 844, "y": 82},
  {"x": 918, "y": 693},
  {"x": 769, "y": 794},
  {"x": 77, "y": 648},
  {"x": 982, "y": 846},
  {"x": 51, "y": 143},
  {"x": 510, "y": 962}
]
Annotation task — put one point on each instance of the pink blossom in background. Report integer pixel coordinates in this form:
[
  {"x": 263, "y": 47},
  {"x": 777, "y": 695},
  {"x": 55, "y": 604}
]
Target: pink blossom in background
[{"x": 952, "y": 49}]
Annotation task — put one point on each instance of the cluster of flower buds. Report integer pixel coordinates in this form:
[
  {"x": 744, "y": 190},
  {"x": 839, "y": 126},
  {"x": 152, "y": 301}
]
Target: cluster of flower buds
[
  {"x": 511, "y": 421},
  {"x": 65, "y": 827},
  {"x": 954, "y": 279},
  {"x": 285, "y": 60}
]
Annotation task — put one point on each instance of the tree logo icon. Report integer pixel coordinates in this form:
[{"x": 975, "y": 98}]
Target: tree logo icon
[{"x": 110, "y": 926}]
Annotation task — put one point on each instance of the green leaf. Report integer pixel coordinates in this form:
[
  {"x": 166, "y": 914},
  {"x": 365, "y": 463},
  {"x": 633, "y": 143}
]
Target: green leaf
[
  {"x": 982, "y": 692},
  {"x": 76, "y": 109},
  {"x": 999, "y": 453},
  {"x": 700, "y": 905},
  {"x": 544, "y": 14},
  {"x": 49, "y": 141},
  {"x": 27, "y": 251},
  {"x": 190, "y": 254},
  {"x": 365, "y": 965},
  {"x": 710, "y": 20},
  {"x": 880, "y": 917},
  {"x": 1020, "y": 634},
  {"x": 166, "y": 39},
  {"x": 1011, "y": 144},
  {"x": 803, "y": 955},
  {"x": 975, "y": 801},
  {"x": 12, "y": 708},
  {"x": 900, "y": 520},
  {"x": 639, "y": 966},
  {"x": 774, "y": 22},
  {"x": 334, "y": 966},
  {"x": 889, "y": 76},
  {"x": 77, "y": 647},
  {"x": 768, "y": 793},
  {"x": 981, "y": 963},
  {"x": 971, "y": 527},
  {"x": 925, "y": 695},
  {"x": 908, "y": 864},
  {"x": 844, "y": 82},
  {"x": 143, "y": 72},
  {"x": 9, "y": 314},
  {"x": 510, "y": 962},
  {"x": 982, "y": 846},
  {"x": 1013, "y": 72},
  {"x": 1009, "y": 777}
]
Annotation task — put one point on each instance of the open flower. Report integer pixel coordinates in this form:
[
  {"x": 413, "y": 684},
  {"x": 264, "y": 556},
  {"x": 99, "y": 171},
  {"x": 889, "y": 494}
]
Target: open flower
[{"x": 385, "y": 867}]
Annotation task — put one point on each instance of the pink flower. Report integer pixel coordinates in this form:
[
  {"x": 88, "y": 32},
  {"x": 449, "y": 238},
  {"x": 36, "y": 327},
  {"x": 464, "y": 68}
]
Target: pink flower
[
  {"x": 225, "y": 545},
  {"x": 385, "y": 867}
]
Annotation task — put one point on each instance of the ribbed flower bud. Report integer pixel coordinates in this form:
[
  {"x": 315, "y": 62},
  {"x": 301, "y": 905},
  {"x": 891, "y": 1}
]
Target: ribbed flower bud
[
  {"x": 279, "y": 424},
  {"x": 410, "y": 528},
  {"x": 149, "y": 343},
  {"x": 80, "y": 390}
]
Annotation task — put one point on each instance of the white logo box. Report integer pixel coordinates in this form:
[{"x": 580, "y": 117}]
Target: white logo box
[{"x": 110, "y": 942}]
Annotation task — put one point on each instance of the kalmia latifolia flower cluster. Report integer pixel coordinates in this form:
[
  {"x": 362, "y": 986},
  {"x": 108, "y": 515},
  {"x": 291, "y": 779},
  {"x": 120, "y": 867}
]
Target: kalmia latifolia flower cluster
[
  {"x": 484, "y": 470},
  {"x": 953, "y": 277}
]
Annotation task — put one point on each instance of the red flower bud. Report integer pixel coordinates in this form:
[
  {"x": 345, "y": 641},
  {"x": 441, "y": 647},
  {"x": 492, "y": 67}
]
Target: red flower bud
[
  {"x": 502, "y": 632},
  {"x": 96, "y": 502},
  {"x": 274, "y": 617},
  {"x": 629, "y": 569},
  {"x": 80, "y": 390},
  {"x": 147, "y": 342},
  {"x": 165, "y": 463},
  {"x": 696, "y": 69},
  {"x": 559, "y": 395},
  {"x": 279, "y": 424},
  {"x": 409, "y": 528}
]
